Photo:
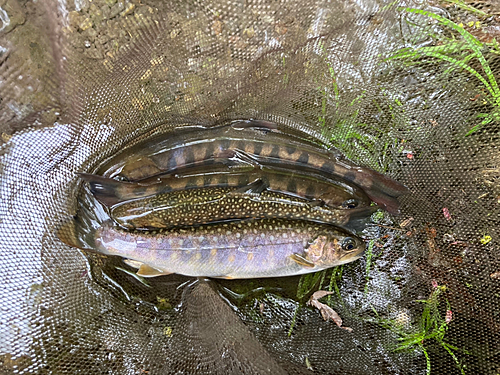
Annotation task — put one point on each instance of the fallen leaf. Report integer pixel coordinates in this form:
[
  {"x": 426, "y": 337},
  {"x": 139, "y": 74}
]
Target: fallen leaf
[
  {"x": 217, "y": 27},
  {"x": 320, "y": 294},
  {"x": 406, "y": 222},
  {"x": 326, "y": 311},
  {"x": 495, "y": 275}
]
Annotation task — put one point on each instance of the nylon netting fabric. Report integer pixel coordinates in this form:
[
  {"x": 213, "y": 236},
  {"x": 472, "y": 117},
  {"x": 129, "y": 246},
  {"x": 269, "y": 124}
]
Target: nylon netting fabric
[{"x": 407, "y": 88}]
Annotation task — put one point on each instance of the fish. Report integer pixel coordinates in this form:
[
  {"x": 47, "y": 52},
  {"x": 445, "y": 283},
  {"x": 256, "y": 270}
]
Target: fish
[
  {"x": 333, "y": 193},
  {"x": 211, "y": 146},
  {"x": 212, "y": 205},
  {"x": 237, "y": 250},
  {"x": 132, "y": 162}
]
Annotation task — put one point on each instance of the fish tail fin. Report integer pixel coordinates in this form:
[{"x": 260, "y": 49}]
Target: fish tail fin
[
  {"x": 389, "y": 186},
  {"x": 387, "y": 200},
  {"x": 359, "y": 218},
  {"x": 384, "y": 191},
  {"x": 104, "y": 189},
  {"x": 389, "y": 204},
  {"x": 69, "y": 233}
]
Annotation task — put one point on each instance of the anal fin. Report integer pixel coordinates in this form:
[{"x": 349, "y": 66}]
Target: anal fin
[
  {"x": 133, "y": 263},
  {"x": 226, "y": 277},
  {"x": 147, "y": 271}
]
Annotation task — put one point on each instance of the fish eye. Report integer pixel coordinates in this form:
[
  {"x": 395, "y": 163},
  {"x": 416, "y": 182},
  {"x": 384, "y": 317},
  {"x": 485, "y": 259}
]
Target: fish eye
[
  {"x": 348, "y": 244},
  {"x": 350, "y": 203}
]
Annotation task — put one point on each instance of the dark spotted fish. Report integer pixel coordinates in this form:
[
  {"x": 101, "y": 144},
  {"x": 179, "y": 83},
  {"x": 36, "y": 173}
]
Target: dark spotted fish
[
  {"x": 212, "y": 205},
  {"x": 271, "y": 149},
  {"x": 239, "y": 250},
  {"x": 334, "y": 193}
]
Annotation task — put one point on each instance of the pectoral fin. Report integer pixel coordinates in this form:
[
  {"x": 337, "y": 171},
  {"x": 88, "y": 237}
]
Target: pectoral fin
[
  {"x": 316, "y": 203},
  {"x": 301, "y": 260},
  {"x": 238, "y": 156},
  {"x": 145, "y": 270},
  {"x": 253, "y": 188}
]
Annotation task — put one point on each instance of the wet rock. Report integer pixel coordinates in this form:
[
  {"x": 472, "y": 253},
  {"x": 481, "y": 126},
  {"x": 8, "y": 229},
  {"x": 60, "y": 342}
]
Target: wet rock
[
  {"x": 116, "y": 9},
  {"x": 86, "y": 24},
  {"x": 11, "y": 15}
]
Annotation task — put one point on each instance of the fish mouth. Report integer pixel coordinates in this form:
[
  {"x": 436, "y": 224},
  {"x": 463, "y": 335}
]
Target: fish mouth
[{"x": 353, "y": 255}]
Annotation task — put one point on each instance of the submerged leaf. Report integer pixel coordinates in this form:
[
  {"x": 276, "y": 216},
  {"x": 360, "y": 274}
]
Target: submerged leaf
[{"x": 326, "y": 311}]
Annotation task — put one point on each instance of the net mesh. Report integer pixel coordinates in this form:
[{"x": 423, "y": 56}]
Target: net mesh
[{"x": 406, "y": 88}]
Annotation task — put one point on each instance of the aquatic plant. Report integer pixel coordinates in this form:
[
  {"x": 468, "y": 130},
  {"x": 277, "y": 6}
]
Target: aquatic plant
[
  {"x": 431, "y": 328},
  {"x": 347, "y": 128},
  {"x": 459, "y": 54}
]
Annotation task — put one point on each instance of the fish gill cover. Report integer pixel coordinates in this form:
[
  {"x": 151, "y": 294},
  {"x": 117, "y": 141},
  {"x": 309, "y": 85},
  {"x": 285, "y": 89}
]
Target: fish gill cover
[{"x": 408, "y": 89}]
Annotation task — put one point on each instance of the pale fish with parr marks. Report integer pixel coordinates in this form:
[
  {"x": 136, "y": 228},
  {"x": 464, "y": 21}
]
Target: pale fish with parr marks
[{"x": 237, "y": 250}]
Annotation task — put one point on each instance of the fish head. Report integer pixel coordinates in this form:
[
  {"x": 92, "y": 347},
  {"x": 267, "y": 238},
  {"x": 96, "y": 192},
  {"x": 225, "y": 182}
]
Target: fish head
[{"x": 331, "y": 249}]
